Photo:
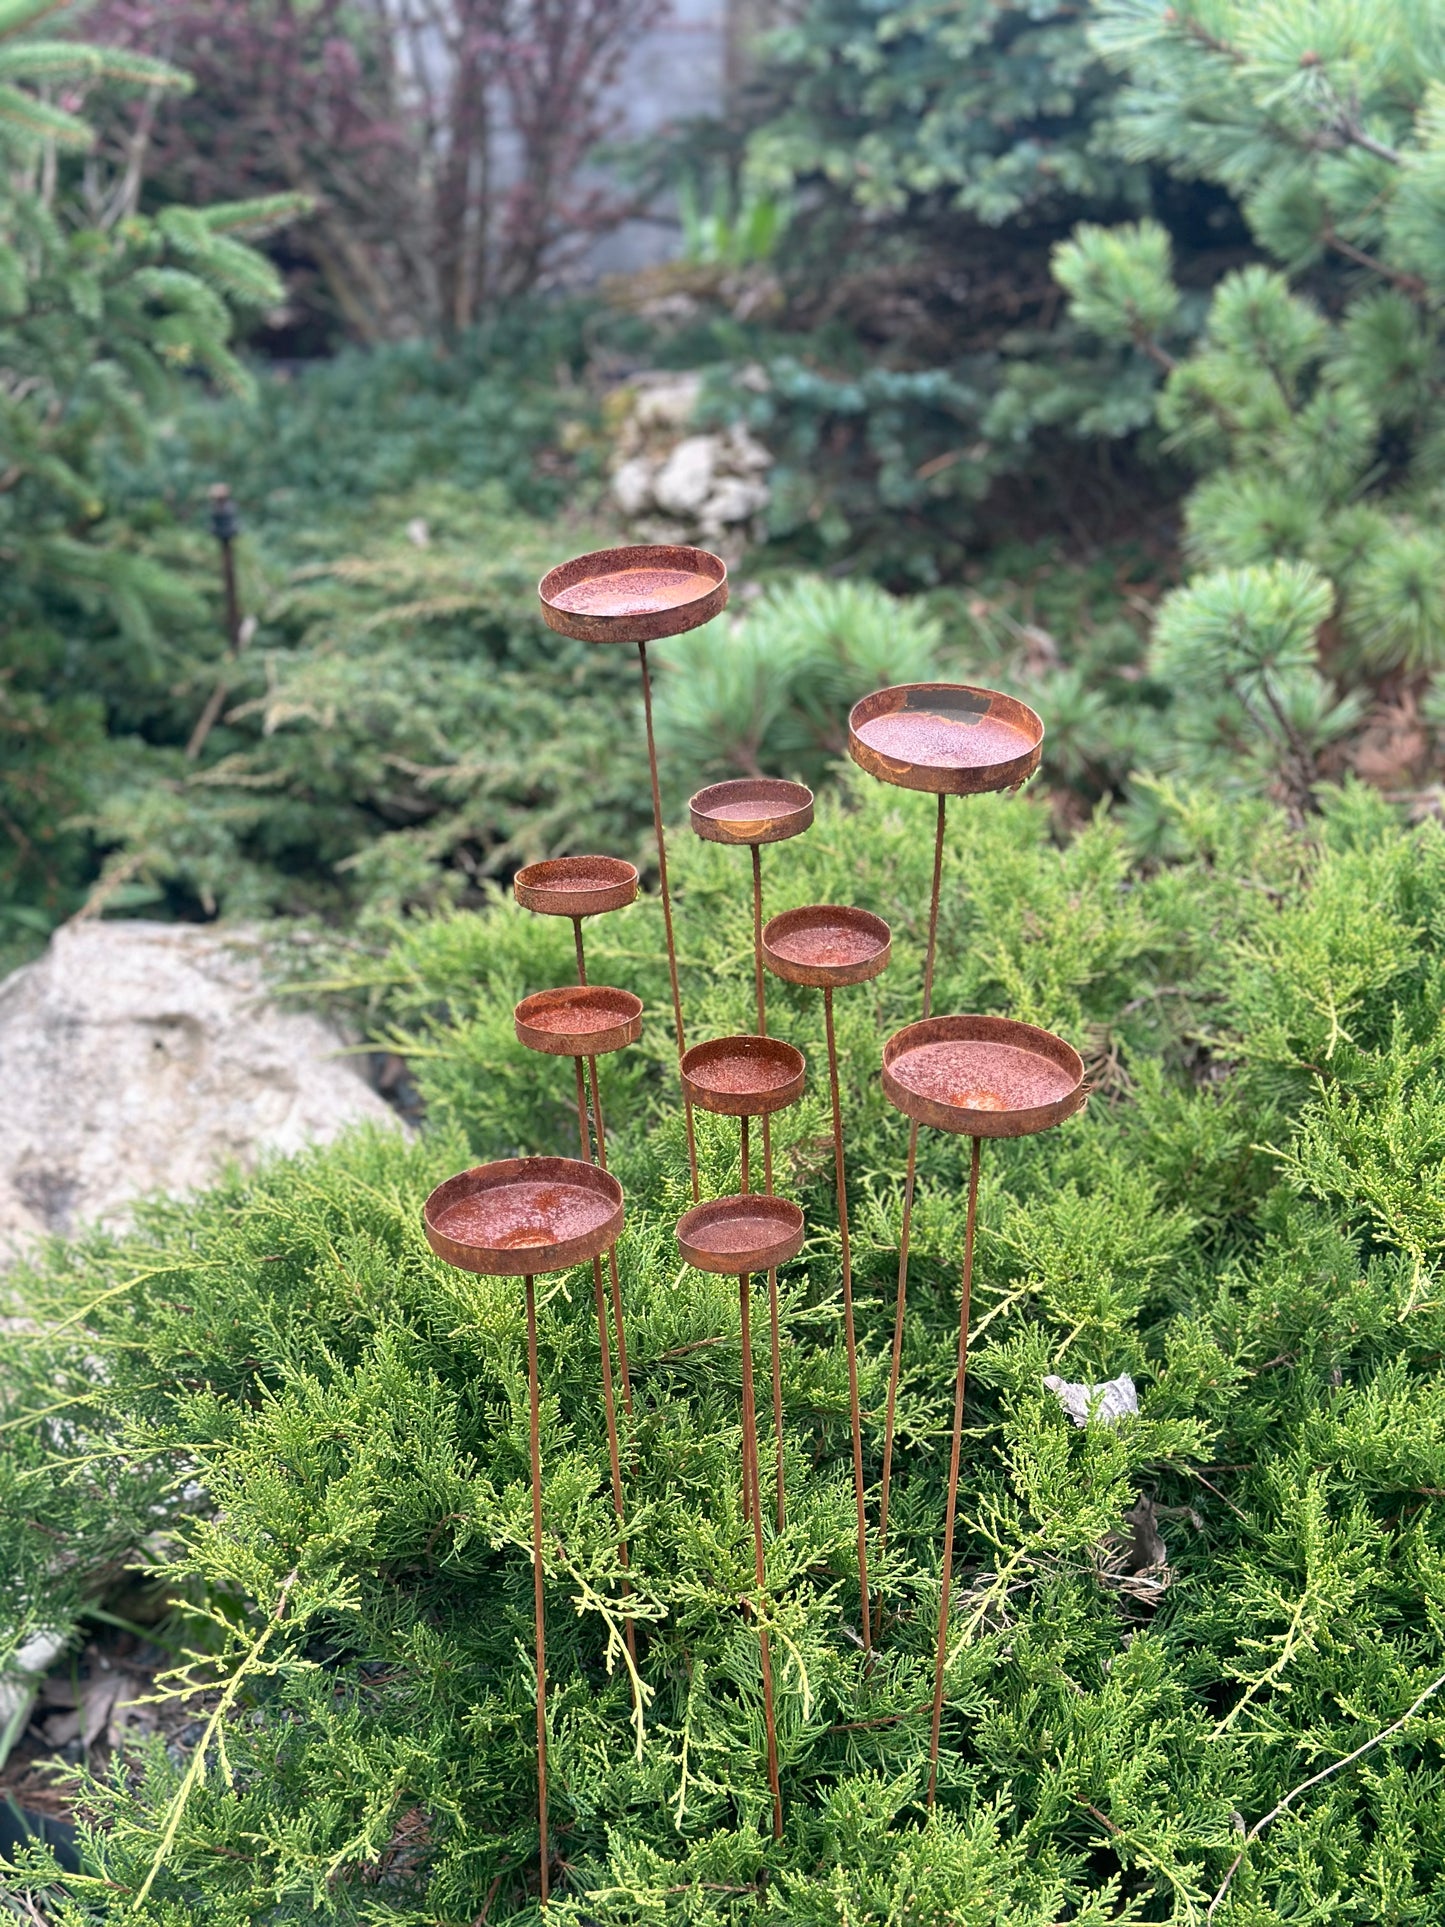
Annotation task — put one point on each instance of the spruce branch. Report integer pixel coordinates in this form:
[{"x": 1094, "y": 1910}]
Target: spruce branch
[{"x": 1315, "y": 1780}]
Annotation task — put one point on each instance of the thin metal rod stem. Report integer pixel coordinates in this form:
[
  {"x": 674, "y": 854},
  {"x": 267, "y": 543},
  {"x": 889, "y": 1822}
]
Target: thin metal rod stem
[
  {"x": 908, "y": 1187},
  {"x": 666, "y": 903},
  {"x": 623, "y": 1374},
  {"x": 581, "y": 954},
  {"x": 941, "y": 1657},
  {"x": 750, "y": 1474},
  {"x": 541, "y": 1629},
  {"x": 743, "y": 1150},
  {"x": 775, "y": 1330},
  {"x": 854, "y": 1410}
]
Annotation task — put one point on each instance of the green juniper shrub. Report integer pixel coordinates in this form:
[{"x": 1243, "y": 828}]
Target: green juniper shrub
[{"x": 318, "y": 1433}]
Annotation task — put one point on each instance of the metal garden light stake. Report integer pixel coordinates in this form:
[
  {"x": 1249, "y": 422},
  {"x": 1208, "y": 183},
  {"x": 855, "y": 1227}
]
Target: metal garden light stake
[
  {"x": 745, "y": 1077},
  {"x": 827, "y": 946},
  {"x": 737, "y": 1236},
  {"x": 641, "y": 594},
  {"x": 983, "y": 1077},
  {"x": 588, "y": 1021},
  {"x": 948, "y": 739},
  {"x": 578, "y": 887},
  {"x": 520, "y": 1218},
  {"x": 757, "y": 810}
]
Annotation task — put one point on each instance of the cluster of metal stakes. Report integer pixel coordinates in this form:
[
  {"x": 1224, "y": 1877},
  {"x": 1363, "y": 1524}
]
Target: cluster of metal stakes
[{"x": 971, "y": 1075}]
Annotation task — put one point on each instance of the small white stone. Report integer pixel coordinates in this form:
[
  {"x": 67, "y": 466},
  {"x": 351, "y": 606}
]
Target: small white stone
[
  {"x": 733, "y": 500},
  {"x": 667, "y": 401},
  {"x": 632, "y": 485},
  {"x": 1102, "y": 1404},
  {"x": 685, "y": 480}
]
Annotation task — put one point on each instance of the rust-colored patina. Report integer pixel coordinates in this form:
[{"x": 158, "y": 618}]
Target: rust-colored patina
[
  {"x": 639, "y": 593},
  {"x": 751, "y": 809},
  {"x": 576, "y": 886},
  {"x": 520, "y": 1217},
  {"x": 744, "y": 1076},
  {"x": 827, "y": 945},
  {"x": 949, "y": 739},
  {"x": 579, "y": 1020},
  {"x": 983, "y": 1076},
  {"x": 754, "y": 1232}
]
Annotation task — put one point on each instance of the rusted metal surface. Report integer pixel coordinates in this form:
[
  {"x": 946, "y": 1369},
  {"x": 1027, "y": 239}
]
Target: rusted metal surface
[
  {"x": 639, "y": 593},
  {"x": 520, "y": 1217},
  {"x": 751, "y": 809},
  {"x": 754, "y": 1232},
  {"x": 524, "y": 1216},
  {"x": 983, "y": 1076},
  {"x": 744, "y": 1076},
  {"x": 940, "y": 1655},
  {"x": 576, "y": 886},
  {"x": 579, "y": 1020},
  {"x": 827, "y": 945},
  {"x": 950, "y": 739},
  {"x": 755, "y": 1509}
]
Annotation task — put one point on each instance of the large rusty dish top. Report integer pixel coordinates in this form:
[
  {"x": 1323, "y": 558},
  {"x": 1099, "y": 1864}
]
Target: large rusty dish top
[
  {"x": 743, "y": 1076},
  {"x": 826, "y": 944},
  {"x": 945, "y": 737},
  {"x": 523, "y": 1216},
  {"x": 579, "y": 1020},
  {"x": 740, "y": 1234},
  {"x": 751, "y": 809},
  {"x": 576, "y": 886},
  {"x": 635, "y": 594},
  {"x": 983, "y": 1076}
]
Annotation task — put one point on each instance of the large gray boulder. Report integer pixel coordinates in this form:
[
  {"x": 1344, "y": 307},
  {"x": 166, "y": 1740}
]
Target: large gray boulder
[{"x": 141, "y": 1057}]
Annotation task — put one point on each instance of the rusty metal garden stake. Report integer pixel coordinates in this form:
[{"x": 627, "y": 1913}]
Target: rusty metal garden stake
[
  {"x": 641, "y": 594},
  {"x": 521, "y": 1217},
  {"x": 946, "y": 739},
  {"x": 738, "y": 1236},
  {"x": 826, "y": 946},
  {"x": 980, "y": 1077}
]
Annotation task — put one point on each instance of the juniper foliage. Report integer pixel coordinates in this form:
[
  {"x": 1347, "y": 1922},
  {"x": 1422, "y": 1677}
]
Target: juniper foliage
[{"x": 318, "y": 1434}]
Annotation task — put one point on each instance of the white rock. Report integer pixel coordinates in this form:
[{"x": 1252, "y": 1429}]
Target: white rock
[
  {"x": 667, "y": 401},
  {"x": 685, "y": 479},
  {"x": 139, "y": 1057},
  {"x": 1102, "y": 1404},
  {"x": 733, "y": 500},
  {"x": 632, "y": 485},
  {"x": 743, "y": 453}
]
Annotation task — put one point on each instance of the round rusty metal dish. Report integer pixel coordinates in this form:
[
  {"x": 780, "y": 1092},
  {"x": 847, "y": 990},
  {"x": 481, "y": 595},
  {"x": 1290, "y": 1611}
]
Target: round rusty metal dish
[
  {"x": 738, "y": 1234},
  {"x": 944, "y": 737},
  {"x": 579, "y": 1020},
  {"x": 524, "y": 1216},
  {"x": 636, "y": 594},
  {"x": 743, "y": 1076},
  {"x": 576, "y": 886},
  {"x": 752, "y": 809},
  {"x": 984, "y": 1076},
  {"x": 826, "y": 944}
]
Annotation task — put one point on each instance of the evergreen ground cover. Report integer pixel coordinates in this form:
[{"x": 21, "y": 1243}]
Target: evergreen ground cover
[{"x": 317, "y": 1433}]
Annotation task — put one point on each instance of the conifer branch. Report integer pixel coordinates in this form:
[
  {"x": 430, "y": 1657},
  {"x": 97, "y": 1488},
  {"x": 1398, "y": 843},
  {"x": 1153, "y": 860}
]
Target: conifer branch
[{"x": 1315, "y": 1780}]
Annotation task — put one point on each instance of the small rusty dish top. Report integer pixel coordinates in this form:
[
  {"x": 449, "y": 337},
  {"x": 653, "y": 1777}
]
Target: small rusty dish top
[
  {"x": 636, "y": 594},
  {"x": 576, "y": 886},
  {"x": 740, "y": 1234},
  {"x": 752, "y": 809},
  {"x": 579, "y": 1020},
  {"x": 826, "y": 944},
  {"x": 945, "y": 737},
  {"x": 983, "y": 1076},
  {"x": 523, "y": 1216},
  {"x": 743, "y": 1076}
]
